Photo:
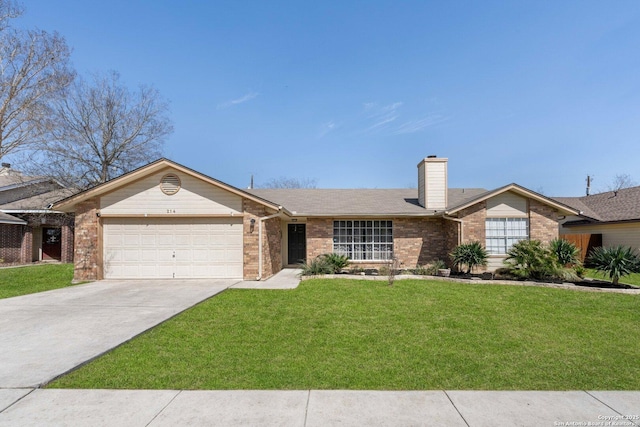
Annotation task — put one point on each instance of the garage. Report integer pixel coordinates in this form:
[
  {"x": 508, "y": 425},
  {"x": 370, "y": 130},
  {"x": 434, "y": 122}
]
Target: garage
[
  {"x": 166, "y": 221},
  {"x": 172, "y": 248}
]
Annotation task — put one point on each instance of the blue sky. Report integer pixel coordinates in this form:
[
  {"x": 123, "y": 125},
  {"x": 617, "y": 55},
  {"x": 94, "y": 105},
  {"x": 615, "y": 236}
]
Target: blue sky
[{"x": 354, "y": 93}]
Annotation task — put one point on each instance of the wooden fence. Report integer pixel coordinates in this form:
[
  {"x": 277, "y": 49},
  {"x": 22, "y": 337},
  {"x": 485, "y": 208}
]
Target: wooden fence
[{"x": 584, "y": 242}]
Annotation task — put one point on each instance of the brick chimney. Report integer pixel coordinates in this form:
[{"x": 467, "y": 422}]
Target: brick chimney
[{"x": 432, "y": 183}]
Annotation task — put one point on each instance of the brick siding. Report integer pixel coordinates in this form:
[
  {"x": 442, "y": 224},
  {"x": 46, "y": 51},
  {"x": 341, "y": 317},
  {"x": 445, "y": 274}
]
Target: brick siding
[
  {"x": 88, "y": 251},
  {"x": 543, "y": 222},
  {"x": 416, "y": 241},
  {"x": 16, "y": 241},
  {"x": 271, "y": 242},
  {"x": 319, "y": 237},
  {"x": 11, "y": 243},
  {"x": 474, "y": 218}
]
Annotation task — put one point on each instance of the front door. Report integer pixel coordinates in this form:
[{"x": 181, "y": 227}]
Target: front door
[
  {"x": 297, "y": 243},
  {"x": 51, "y": 243}
]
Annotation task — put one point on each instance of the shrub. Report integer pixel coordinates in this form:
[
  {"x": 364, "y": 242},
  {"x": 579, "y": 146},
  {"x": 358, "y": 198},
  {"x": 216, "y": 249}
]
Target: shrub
[
  {"x": 316, "y": 267},
  {"x": 470, "y": 254},
  {"x": 429, "y": 269},
  {"x": 529, "y": 259},
  {"x": 336, "y": 261},
  {"x": 566, "y": 252},
  {"x": 617, "y": 261},
  {"x": 580, "y": 271}
]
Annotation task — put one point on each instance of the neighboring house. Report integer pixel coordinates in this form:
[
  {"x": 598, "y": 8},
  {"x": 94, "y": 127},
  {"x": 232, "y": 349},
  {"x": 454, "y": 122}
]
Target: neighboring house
[
  {"x": 612, "y": 217},
  {"x": 29, "y": 230},
  {"x": 165, "y": 220}
]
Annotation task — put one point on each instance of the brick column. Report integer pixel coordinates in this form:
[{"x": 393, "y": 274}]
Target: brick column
[
  {"x": 87, "y": 251},
  {"x": 271, "y": 242},
  {"x": 26, "y": 248},
  {"x": 67, "y": 240}
]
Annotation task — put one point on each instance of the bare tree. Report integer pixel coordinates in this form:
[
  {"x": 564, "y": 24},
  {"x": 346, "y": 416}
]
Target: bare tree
[
  {"x": 33, "y": 71},
  {"x": 284, "y": 182},
  {"x": 101, "y": 130},
  {"x": 622, "y": 181},
  {"x": 8, "y": 10}
]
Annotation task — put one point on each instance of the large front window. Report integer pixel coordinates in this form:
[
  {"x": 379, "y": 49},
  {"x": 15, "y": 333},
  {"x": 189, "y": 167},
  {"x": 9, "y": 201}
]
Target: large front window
[
  {"x": 502, "y": 233},
  {"x": 363, "y": 239}
]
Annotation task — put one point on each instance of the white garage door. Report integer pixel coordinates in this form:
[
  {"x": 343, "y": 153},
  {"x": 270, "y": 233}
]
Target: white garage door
[{"x": 172, "y": 248}]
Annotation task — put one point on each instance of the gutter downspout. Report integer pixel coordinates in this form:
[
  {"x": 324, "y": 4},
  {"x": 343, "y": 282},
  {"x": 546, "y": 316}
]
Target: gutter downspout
[
  {"x": 460, "y": 226},
  {"x": 260, "y": 221}
]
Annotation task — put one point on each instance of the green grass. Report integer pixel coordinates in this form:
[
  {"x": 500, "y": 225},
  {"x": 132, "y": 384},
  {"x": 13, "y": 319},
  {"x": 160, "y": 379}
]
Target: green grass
[
  {"x": 34, "y": 278},
  {"x": 631, "y": 279},
  {"x": 416, "y": 335}
]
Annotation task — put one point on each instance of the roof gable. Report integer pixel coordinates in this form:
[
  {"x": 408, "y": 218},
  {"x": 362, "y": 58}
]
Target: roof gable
[
  {"x": 68, "y": 204},
  {"x": 517, "y": 189}
]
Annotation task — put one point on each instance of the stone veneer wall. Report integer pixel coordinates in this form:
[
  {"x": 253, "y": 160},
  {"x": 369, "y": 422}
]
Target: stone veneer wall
[
  {"x": 543, "y": 223},
  {"x": 271, "y": 242},
  {"x": 88, "y": 243}
]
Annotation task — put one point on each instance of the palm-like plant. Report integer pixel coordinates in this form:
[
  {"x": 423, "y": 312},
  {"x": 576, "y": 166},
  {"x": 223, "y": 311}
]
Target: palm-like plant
[
  {"x": 336, "y": 261},
  {"x": 617, "y": 261},
  {"x": 470, "y": 254},
  {"x": 566, "y": 252},
  {"x": 530, "y": 259}
]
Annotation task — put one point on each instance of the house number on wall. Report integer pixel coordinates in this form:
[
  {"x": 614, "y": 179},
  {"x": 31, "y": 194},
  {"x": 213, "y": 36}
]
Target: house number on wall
[{"x": 171, "y": 211}]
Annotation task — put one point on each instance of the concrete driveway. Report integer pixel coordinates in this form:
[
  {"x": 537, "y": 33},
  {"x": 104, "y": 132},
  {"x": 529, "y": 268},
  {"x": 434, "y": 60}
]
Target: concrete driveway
[{"x": 45, "y": 335}]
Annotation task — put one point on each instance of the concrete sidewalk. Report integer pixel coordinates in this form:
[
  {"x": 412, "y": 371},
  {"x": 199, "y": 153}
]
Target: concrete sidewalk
[
  {"x": 317, "y": 408},
  {"x": 287, "y": 278}
]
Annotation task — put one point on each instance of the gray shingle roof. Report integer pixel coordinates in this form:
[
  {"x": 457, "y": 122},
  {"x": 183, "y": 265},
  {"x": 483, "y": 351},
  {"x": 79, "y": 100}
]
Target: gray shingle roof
[
  {"x": 623, "y": 205},
  {"x": 17, "y": 179},
  {"x": 40, "y": 201},
  {"x": 396, "y": 201}
]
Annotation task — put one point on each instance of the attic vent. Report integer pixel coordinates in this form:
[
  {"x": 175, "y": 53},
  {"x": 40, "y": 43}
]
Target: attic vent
[{"x": 170, "y": 184}]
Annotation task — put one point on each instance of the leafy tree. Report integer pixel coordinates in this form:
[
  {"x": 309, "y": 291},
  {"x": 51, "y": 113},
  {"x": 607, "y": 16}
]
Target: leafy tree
[
  {"x": 617, "y": 261},
  {"x": 101, "y": 130},
  {"x": 34, "y": 71},
  {"x": 470, "y": 254}
]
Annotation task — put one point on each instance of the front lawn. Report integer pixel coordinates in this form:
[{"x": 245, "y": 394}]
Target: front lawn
[
  {"x": 415, "y": 335},
  {"x": 34, "y": 278},
  {"x": 631, "y": 279}
]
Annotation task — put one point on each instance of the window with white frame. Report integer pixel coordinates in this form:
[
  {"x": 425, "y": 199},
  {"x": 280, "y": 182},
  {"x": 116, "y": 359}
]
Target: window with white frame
[
  {"x": 502, "y": 233},
  {"x": 363, "y": 239}
]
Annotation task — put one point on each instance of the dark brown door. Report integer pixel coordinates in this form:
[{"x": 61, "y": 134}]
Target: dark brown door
[
  {"x": 297, "y": 243},
  {"x": 51, "y": 243}
]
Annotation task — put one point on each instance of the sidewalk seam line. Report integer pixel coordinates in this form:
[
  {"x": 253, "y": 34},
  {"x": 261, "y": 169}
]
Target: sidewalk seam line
[
  {"x": 306, "y": 408},
  {"x": 19, "y": 399},
  {"x": 456, "y": 408},
  {"x": 614, "y": 410},
  {"x": 163, "y": 408}
]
